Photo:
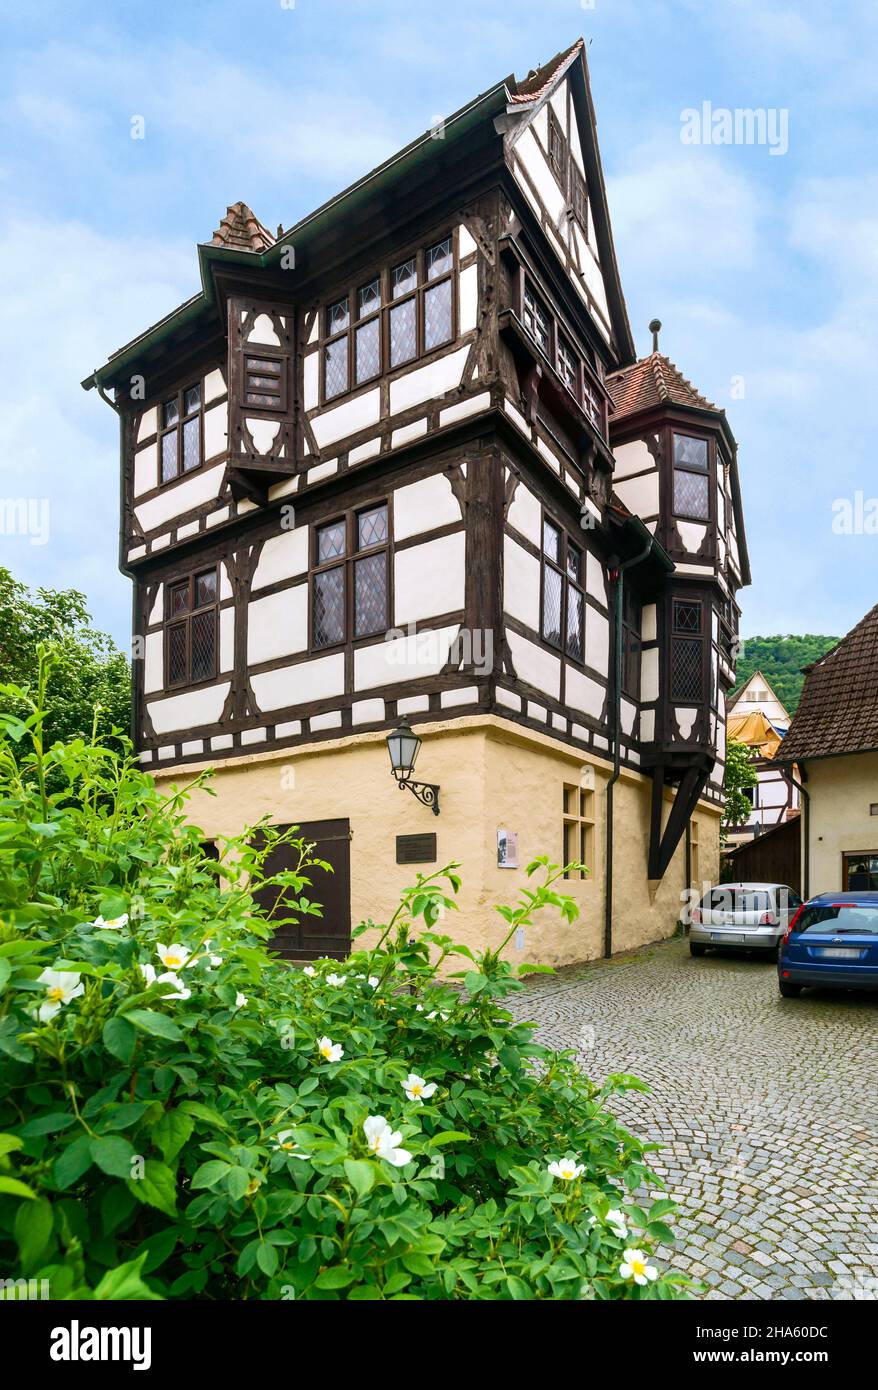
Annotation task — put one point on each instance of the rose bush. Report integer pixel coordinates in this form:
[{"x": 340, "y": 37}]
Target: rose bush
[{"x": 182, "y": 1114}]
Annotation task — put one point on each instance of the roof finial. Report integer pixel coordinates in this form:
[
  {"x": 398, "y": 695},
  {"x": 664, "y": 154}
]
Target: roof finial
[{"x": 655, "y": 329}]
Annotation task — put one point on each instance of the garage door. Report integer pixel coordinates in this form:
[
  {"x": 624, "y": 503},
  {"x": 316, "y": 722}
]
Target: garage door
[{"x": 329, "y": 934}]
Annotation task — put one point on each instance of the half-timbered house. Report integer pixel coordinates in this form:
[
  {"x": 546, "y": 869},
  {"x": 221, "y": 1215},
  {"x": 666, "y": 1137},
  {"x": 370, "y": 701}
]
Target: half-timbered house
[{"x": 400, "y": 461}]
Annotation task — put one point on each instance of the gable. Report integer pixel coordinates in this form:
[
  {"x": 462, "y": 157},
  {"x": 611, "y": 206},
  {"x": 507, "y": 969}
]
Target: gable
[{"x": 552, "y": 153}]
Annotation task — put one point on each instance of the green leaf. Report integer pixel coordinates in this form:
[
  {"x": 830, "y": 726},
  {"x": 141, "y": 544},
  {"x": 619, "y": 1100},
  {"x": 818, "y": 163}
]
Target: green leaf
[
  {"x": 203, "y": 1112},
  {"x": 113, "y": 1155},
  {"x": 48, "y": 1124},
  {"x": 663, "y": 1207},
  {"x": 171, "y": 1132},
  {"x": 119, "y": 1038},
  {"x": 9, "y": 1142},
  {"x": 157, "y": 1188},
  {"x": 5, "y": 972},
  {"x": 14, "y": 1188},
  {"x": 416, "y": 1263},
  {"x": 73, "y": 1161},
  {"x": 335, "y": 1278},
  {"x": 518, "y": 1289},
  {"x": 210, "y": 1173},
  {"x": 657, "y": 1230},
  {"x": 158, "y": 1025},
  {"x": 266, "y": 1258},
  {"x": 361, "y": 1175},
  {"x": 448, "y": 1136},
  {"x": 33, "y": 1227},
  {"x": 124, "y": 1284}
]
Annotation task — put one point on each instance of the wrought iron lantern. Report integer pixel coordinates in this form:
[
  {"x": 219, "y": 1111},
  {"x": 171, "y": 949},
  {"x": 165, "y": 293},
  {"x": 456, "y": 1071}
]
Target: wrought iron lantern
[{"x": 403, "y": 745}]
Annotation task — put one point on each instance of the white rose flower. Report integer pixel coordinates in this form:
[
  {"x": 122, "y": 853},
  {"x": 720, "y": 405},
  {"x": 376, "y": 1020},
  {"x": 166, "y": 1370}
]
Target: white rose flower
[
  {"x": 309, "y": 971},
  {"x": 618, "y": 1224},
  {"x": 416, "y": 1088},
  {"x": 330, "y": 1051},
  {"x": 383, "y": 1141},
  {"x": 335, "y": 980},
  {"x": 173, "y": 957},
  {"x": 240, "y": 1000},
  {"x": 634, "y": 1266},
  {"x": 111, "y": 923},
  {"x": 567, "y": 1168},
  {"x": 61, "y": 987},
  {"x": 284, "y": 1141}
]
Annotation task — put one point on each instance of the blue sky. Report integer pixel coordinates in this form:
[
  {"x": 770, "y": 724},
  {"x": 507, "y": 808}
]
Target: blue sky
[{"x": 763, "y": 269}]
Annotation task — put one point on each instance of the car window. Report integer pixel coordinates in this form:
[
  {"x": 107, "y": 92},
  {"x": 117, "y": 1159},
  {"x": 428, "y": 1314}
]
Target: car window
[
  {"x": 838, "y": 918},
  {"x": 737, "y": 900}
]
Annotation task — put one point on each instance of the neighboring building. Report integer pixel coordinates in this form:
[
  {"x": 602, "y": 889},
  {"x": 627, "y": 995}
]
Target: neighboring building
[
  {"x": 756, "y": 716},
  {"x": 401, "y": 462},
  {"x": 834, "y": 740}
]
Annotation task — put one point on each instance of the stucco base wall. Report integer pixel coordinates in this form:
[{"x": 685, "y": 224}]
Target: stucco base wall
[
  {"x": 492, "y": 775},
  {"x": 841, "y": 792}
]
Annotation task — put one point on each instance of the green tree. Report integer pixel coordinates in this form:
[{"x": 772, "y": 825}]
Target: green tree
[
  {"x": 740, "y": 774},
  {"x": 89, "y": 669},
  {"x": 780, "y": 659}
]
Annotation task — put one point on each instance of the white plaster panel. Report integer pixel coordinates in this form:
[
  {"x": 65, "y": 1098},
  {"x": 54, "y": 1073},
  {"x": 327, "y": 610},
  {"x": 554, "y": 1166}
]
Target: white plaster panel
[
  {"x": 288, "y": 730},
  {"x": 521, "y": 584},
  {"x": 214, "y": 385},
  {"x": 153, "y": 662},
  {"x": 633, "y": 457},
  {"x": 640, "y": 495},
  {"x": 158, "y": 606},
  {"x": 627, "y": 714},
  {"x": 525, "y": 514},
  {"x": 253, "y": 736},
  {"x": 216, "y": 430},
  {"x": 508, "y": 698},
  {"x": 468, "y": 291},
  {"x": 367, "y": 711},
  {"x": 322, "y": 470},
  {"x": 647, "y": 725},
  {"x": 365, "y": 451},
  {"x": 426, "y": 383},
  {"x": 685, "y": 719},
  {"x": 311, "y": 382},
  {"x": 417, "y": 594},
  {"x": 190, "y": 529},
  {"x": 189, "y": 709},
  {"x": 403, "y": 658},
  {"x": 692, "y": 534},
  {"x": 648, "y": 629},
  {"x": 424, "y": 506},
  {"x": 221, "y": 741},
  {"x": 277, "y": 625},
  {"x": 293, "y": 685},
  {"x": 263, "y": 331},
  {"x": 407, "y": 432},
  {"x": 649, "y": 674},
  {"x": 466, "y": 695},
  {"x": 348, "y": 418},
  {"x": 413, "y": 704},
  {"x": 149, "y": 423},
  {"x": 330, "y": 720},
  {"x": 597, "y": 640},
  {"x": 465, "y": 242},
  {"x": 183, "y": 497},
  {"x": 584, "y": 693},
  {"x": 283, "y": 557},
  {"x": 541, "y": 175},
  {"x": 535, "y": 665},
  {"x": 145, "y": 469},
  {"x": 227, "y": 639}
]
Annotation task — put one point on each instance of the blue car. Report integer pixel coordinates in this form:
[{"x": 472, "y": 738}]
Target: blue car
[{"x": 831, "y": 943}]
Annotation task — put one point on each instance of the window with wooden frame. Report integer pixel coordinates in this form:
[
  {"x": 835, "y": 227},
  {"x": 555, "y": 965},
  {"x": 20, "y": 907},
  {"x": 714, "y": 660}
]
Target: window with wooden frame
[
  {"x": 557, "y": 150},
  {"x": 578, "y": 830},
  {"x": 180, "y": 433},
  {"x": 581, "y": 377},
  {"x": 691, "y": 477},
  {"x": 579, "y": 197},
  {"x": 536, "y": 318},
  {"x": 404, "y": 311},
  {"x": 350, "y": 577},
  {"x": 265, "y": 381},
  {"x": 687, "y": 651},
  {"x": 563, "y": 597},
  {"x": 630, "y": 644},
  {"x": 191, "y": 628}
]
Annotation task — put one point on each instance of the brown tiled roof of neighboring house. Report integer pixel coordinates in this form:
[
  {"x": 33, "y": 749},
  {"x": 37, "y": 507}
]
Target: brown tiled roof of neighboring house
[
  {"x": 241, "y": 230},
  {"x": 652, "y": 381},
  {"x": 538, "y": 80},
  {"x": 838, "y": 709}
]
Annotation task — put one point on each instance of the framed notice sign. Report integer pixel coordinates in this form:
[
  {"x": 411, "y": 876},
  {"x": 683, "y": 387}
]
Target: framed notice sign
[{"x": 507, "y": 849}]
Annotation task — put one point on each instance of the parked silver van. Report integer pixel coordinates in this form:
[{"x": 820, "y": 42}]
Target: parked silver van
[{"x": 751, "y": 915}]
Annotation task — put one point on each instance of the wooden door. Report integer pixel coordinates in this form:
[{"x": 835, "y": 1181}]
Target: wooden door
[{"x": 329, "y": 934}]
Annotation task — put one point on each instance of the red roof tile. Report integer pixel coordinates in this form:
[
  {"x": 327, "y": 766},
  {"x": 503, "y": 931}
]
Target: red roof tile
[
  {"x": 652, "y": 381},
  {"x": 538, "y": 80},
  {"x": 838, "y": 709},
  {"x": 241, "y": 230}
]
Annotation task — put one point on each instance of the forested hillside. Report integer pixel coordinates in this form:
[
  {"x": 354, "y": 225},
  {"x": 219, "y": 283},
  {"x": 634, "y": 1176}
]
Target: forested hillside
[{"x": 780, "y": 659}]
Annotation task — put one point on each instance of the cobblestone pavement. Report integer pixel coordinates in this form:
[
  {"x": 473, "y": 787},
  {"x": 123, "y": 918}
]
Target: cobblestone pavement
[{"x": 765, "y": 1107}]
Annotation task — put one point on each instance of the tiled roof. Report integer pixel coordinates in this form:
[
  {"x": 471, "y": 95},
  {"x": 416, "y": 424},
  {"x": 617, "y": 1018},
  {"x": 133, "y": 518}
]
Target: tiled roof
[
  {"x": 652, "y": 381},
  {"x": 838, "y": 709},
  {"x": 241, "y": 230},
  {"x": 538, "y": 80}
]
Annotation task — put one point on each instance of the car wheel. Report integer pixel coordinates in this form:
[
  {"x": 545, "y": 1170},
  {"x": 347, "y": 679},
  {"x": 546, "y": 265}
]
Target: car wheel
[
  {"x": 696, "y": 949},
  {"x": 788, "y": 990}
]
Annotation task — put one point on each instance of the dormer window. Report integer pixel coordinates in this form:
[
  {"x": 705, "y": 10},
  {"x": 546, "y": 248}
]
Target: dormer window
[
  {"x": 691, "y": 477},
  {"x": 180, "y": 448}
]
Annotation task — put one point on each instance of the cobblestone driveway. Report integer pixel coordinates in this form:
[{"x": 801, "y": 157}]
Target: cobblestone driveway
[{"x": 766, "y": 1108}]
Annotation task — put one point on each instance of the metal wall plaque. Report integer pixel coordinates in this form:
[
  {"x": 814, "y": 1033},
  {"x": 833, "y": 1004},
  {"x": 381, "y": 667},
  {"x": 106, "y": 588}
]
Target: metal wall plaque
[{"x": 416, "y": 849}]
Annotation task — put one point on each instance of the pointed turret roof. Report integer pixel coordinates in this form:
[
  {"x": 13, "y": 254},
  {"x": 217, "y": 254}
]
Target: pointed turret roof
[
  {"x": 241, "y": 230},
  {"x": 652, "y": 381}
]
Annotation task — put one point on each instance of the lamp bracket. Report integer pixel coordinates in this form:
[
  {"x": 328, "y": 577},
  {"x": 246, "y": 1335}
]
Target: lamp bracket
[{"x": 426, "y": 792}]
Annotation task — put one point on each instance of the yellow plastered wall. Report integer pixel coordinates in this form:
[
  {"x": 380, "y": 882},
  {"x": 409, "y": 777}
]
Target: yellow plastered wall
[
  {"x": 493, "y": 775},
  {"x": 841, "y": 790}
]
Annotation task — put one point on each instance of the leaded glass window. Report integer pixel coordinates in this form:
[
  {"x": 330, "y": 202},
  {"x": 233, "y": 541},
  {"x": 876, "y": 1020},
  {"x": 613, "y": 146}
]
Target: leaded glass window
[
  {"x": 335, "y": 367},
  {"x": 631, "y": 644},
  {"x": 691, "y": 477},
  {"x": 403, "y": 332},
  {"x": 370, "y": 594},
  {"x": 568, "y": 366},
  {"x": 180, "y": 437},
  {"x": 563, "y": 605},
  {"x": 404, "y": 278},
  {"x": 536, "y": 318},
  {"x": 328, "y": 611},
  {"x": 437, "y": 315},
  {"x": 350, "y": 558},
  {"x": 191, "y": 629}
]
